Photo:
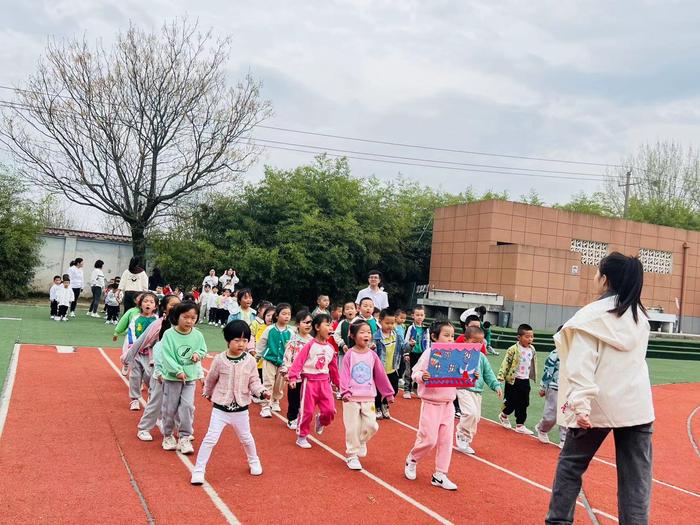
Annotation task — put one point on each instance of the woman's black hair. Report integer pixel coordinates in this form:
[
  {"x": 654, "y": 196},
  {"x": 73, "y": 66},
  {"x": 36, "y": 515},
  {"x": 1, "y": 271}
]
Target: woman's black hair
[
  {"x": 72, "y": 263},
  {"x": 78, "y": 260},
  {"x": 236, "y": 329},
  {"x": 99, "y": 263},
  {"x": 436, "y": 328},
  {"x": 278, "y": 310},
  {"x": 242, "y": 293},
  {"x": 355, "y": 327},
  {"x": 165, "y": 302},
  {"x": 188, "y": 297},
  {"x": 267, "y": 310},
  {"x": 156, "y": 272},
  {"x": 301, "y": 315},
  {"x": 183, "y": 307},
  {"x": 318, "y": 320},
  {"x": 625, "y": 277},
  {"x": 134, "y": 265}
]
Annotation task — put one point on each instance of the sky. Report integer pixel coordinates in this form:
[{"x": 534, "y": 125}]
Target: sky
[{"x": 579, "y": 81}]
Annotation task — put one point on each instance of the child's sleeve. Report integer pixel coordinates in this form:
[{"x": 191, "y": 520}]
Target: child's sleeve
[
  {"x": 337, "y": 336},
  {"x": 262, "y": 343},
  {"x": 212, "y": 379},
  {"x": 123, "y": 323},
  {"x": 287, "y": 358},
  {"x": 420, "y": 367},
  {"x": 487, "y": 374},
  {"x": 298, "y": 364},
  {"x": 345, "y": 377},
  {"x": 201, "y": 344},
  {"x": 333, "y": 371},
  {"x": 505, "y": 364},
  {"x": 381, "y": 380},
  {"x": 254, "y": 384},
  {"x": 548, "y": 371}
]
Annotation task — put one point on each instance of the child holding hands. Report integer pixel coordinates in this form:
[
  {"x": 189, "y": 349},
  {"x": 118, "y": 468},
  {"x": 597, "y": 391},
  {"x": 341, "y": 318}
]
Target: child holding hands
[
  {"x": 362, "y": 375},
  {"x": 232, "y": 379}
]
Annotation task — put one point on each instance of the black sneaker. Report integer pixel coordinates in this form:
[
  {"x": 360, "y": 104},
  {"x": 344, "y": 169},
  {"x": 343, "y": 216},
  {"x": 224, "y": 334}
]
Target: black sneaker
[{"x": 458, "y": 414}]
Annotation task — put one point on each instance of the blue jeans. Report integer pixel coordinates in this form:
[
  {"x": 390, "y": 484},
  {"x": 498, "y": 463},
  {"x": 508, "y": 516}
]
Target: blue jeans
[{"x": 96, "y": 294}]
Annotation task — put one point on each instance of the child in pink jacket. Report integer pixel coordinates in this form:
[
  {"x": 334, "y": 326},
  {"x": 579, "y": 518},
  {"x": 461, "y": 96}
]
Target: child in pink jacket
[
  {"x": 362, "y": 374},
  {"x": 437, "y": 416},
  {"x": 232, "y": 379},
  {"x": 317, "y": 366}
]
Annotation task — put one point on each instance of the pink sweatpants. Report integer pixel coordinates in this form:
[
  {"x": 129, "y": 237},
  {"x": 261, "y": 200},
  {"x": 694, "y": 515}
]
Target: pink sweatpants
[
  {"x": 435, "y": 428},
  {"x": 315, "y": 392}
]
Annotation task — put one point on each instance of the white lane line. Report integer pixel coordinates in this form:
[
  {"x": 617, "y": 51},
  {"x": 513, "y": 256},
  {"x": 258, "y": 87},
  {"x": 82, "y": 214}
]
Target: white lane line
[
  {"x": 378, "y": 480},
  {"x": 690, "y": 430},
  {"x": 506, "y": 471},
  {"x": 65, "y": 349},
  {"x": 7, "y": 387},
  {"x": 10, "y": 318},
  {"x": 208, "y": 489}
]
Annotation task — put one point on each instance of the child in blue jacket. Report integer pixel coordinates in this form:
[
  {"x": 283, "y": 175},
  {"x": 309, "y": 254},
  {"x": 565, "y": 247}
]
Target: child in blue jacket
[{"x": 390, "y": 347}]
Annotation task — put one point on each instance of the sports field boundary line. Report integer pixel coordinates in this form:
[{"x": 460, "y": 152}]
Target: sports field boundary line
[
  {"x": 208, "y": 489},
  {"x": 507, "y": 471},
  {"x": 8, "y": 387},
  {"x": 689, "y": 426}
]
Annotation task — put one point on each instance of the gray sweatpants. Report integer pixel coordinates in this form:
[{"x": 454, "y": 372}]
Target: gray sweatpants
[
  {"x": 139, "y": 374},
  {"x": 178, "y": 398},
  {"x": 549, "y": 414},
  {"x": 633, "y": 458}
]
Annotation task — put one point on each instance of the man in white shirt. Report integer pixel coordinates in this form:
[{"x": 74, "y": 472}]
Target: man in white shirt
[{"x": 373, "y": 291}]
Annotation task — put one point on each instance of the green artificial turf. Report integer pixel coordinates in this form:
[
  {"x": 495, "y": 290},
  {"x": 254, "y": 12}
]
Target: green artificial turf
[{"x": 37, "y": 328}]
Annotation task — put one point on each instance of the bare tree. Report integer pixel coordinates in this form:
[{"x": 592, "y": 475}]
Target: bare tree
[
  {"x": 133, "y": 129},
  {"x": 55, "y": 213}
]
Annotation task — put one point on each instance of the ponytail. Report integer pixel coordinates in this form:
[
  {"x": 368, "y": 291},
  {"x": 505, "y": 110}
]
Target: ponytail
[{"x": 625, "y": 276}]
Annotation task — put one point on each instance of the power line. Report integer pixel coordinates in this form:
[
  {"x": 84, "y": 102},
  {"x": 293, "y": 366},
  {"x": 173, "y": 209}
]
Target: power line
[{"x": 391, "y": 143}]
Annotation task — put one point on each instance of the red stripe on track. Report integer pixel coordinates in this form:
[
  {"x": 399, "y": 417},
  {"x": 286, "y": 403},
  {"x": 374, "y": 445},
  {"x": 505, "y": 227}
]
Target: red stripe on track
[{"x": 297, "y": 486}]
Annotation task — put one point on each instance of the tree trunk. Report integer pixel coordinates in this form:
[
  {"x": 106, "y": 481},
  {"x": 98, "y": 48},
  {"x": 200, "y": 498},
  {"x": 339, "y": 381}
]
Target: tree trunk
[{"x": 138, "y": 241}]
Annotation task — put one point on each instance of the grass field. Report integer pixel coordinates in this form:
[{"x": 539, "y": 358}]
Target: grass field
[{"x": 35, "y": 327}]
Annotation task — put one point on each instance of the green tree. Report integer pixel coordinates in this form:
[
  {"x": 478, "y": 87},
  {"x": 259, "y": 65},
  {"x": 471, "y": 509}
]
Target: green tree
[
  {"x": 20, "y": 227},
  {"x": 583, "y": 203}
]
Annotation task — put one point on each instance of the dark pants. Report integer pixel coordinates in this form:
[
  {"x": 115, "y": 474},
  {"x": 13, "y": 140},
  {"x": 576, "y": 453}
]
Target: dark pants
[
  {"x": 76, "y": 294},
  {"x": 394, "y": 380},
  {"x": 633, "y": 458},
  {"x": 517, "y": 398},
  {"x": 408, "y": 383},
  {"x": 293, "y": 401},
  {"x": 213, "y": 315},
  {"x": 54, "y": 308},
  {"x": 113, "y": 313},
  {"x": 129, "y": 300},
  {"x": 223, "y": 314},
  {"x": 96, "y": 294},
  {"x": 62, "y": 310}
]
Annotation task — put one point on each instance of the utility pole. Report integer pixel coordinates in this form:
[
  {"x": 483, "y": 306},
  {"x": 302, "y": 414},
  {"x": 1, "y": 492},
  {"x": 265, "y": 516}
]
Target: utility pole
[{"x": 627, "y": 184}]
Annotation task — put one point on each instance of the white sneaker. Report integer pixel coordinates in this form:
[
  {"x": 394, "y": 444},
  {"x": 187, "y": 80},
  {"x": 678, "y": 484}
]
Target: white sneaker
[
  {"x": 169, "y": 443},
  {"x": 64, "y": 318},
  {"x": 72, "y": 314},
  {"x": 185, "y": 445},
  {"x": 258, "y": 401},
  {"x": 462, "y": 443},
  {"x": 276, "y": 406},
  {"x": 303, "y": 443},
  {"x": 159, "y": 424},
  {"x": 406, "y": 394},
  {"x": 409, "y": 469},
  {"x": 197, "y": 478},
  {"x": 505, "y": 422},
  {"x": 338, "y": 396},
  {"x": 522, "y": 429},
  {"x": 56, "y": 318},
  {"x": 108, "y": 322},
  {"x": 363, "y": 450},
  {"x": 318, "y": 426},
  {"x": 385, "y": 412},
  {"x": 541, "y": 436},
  {"x": 354, "y": 463},
  {"x": 144, "y": 435},
  {"x": 292, "y": 425},
  {"x": 441, "y": 480},
  {"x": 255, "y": 468},
  {"x": 266, "y": 412},
  {"x": 469, "y": 450},
  {"x": 191, "y": 437},
  {"x": 135, "y": 405}
]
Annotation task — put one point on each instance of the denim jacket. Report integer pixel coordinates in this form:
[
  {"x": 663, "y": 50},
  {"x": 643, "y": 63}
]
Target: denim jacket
[{"x": 401, "y": 347}]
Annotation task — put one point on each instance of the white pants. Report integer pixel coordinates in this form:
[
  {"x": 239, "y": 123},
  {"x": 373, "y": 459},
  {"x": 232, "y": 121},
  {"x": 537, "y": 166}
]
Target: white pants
[
  {"x": 470, "y": 406},
  {"x": 219, "y": 419},
  {"x": 360, "y": 420}
]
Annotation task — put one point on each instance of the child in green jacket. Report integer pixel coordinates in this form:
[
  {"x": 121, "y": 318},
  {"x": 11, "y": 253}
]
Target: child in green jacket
[{"x": 519, "y": 366}]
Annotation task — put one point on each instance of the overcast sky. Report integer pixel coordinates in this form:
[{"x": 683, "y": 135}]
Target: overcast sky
[{"x": 585, "y": 81}]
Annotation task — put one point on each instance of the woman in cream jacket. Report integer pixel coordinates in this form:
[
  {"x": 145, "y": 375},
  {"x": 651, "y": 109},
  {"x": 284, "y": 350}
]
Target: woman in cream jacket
[{"x": 604, "y": 386}]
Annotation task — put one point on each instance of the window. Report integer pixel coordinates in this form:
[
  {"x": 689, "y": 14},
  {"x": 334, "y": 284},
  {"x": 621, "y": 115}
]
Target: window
[
  {"x": 592, "y": 252},
  {"x": 656, "y": 261}
]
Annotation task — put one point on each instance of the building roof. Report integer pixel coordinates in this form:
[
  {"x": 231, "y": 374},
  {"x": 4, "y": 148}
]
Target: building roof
[{"x": 97, "y": 236}]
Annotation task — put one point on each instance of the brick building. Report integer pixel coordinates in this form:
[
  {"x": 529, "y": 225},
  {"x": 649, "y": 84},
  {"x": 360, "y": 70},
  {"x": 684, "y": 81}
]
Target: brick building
[{"x": 541, "y": 261}]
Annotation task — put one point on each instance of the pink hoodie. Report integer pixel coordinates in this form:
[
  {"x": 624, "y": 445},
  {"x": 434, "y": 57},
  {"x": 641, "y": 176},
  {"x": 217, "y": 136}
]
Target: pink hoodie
[
  {"x": 227, "y": 382},
  {"x": 435, "y": 395},
  {"x": 361, "y": 375},
  {"x": 315, "y": 362}
]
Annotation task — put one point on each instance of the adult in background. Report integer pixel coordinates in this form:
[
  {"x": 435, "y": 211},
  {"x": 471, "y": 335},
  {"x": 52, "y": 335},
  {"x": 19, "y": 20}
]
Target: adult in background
[
  {"x": 77, "y": 280},
  {"x": 211, "y": 279},
  {"x": 156, "y": 279},
  {"x": 373, "y": 291},
  {"x": 97, "y": 285},
  {"x": 133, "y": 281},
  {"x": 604, "y": 386},
  {"x": 229, "y": 280}
]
